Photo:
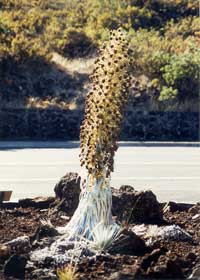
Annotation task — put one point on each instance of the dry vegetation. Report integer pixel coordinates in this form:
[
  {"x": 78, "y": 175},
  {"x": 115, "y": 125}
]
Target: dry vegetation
[{"x": 39, "y": 38}]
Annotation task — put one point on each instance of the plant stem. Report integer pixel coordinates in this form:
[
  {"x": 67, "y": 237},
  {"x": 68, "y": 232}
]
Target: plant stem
[{"x": 94, "y": 207}]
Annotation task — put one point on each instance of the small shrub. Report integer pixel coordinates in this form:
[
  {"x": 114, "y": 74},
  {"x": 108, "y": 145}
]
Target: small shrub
[
  {"x": 182, "y": 73},
  {"x": 167, "y": 93}
]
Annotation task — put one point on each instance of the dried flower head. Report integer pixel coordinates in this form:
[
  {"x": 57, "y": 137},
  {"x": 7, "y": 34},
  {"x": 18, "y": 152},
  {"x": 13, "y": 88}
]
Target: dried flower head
[{"x": 105, "y": 105}]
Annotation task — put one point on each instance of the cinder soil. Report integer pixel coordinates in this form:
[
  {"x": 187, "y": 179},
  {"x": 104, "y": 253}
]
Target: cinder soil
[{"x": 163, "y": 260}]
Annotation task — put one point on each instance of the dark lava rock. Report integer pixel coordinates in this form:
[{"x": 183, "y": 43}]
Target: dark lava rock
[
  {"x": 172, "y": 206},
  {"x": 168, "y": 269},
  {"x": 67, "y": 191},
  {"x": 133, "y": 206},
  {"x": 174, "y": 269},
  {"x": 44, "y": 230},
  {"x": 151, "y": 258},
  {"x": 159, "y": 270},
  {"x": 9, "y": 205},
  {"x": 126, "y": 188},
  {"x": 37, "y": 202},
  {"x": 20, "y": 244},
  {"x": 195, "y": 209},
  {"x": 4, "y": 252},
  {"x": 15, "y": 266},
  {"x": 128, "y": 243},
  {"x": 191, "y": 256}
]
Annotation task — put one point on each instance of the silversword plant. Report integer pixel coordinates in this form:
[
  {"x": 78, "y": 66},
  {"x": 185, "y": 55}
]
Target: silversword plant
[{"x": 100, "y": 130}]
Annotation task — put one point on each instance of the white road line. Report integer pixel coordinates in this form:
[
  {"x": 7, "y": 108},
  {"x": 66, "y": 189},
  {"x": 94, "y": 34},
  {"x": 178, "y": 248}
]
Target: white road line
[
  {"x": 159, "y": 178},
  {"x": 114, "y": 178},
  {"x": 37, "y": 163},
  {"x": 167, "y": 163},
  {"x": 20, "y": 180},
  {"x": 177, "y": 163}
]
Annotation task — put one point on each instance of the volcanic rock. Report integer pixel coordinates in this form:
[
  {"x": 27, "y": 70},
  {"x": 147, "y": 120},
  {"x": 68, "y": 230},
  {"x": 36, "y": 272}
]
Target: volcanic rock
[
  {"x": 21, "y": 243},
  {"x": 170, "y": 269},
  {"x": 195, "y": 209},
  {"x": 67, "y": 191},
  {"x": 4, "y": 251},
  {"x": 172, "y": 206},
  {"x": 15, "y": 266},
  {"x": 134, "y": 206},
  {"x": 152, "y": 258},
  {"x": 37, "y": 202},
  {"x": 191, "y": 256},
  {"x": 174, "y": 269},
  {"x": 128, "y": 243}
]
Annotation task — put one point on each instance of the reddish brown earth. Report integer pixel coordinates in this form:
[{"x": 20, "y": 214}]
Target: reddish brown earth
[{"x": 163, "y": 260}]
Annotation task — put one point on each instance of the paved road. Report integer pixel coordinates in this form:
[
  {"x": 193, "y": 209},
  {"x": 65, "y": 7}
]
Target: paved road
[{"x": 172, "y": 172}]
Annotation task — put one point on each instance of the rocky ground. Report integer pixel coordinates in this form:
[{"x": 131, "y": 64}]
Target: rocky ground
[{"x": 162, "y": 240}]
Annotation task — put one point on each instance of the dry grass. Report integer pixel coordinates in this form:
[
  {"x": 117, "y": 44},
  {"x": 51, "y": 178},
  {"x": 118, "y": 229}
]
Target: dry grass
[
  {"x": 36, "y": 102},
  {"x": 67, "y": 273}
]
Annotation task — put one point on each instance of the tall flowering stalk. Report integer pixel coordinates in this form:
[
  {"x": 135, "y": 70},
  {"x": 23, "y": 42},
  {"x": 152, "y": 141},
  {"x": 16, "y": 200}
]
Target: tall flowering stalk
[{"x": 99, "y": 133}]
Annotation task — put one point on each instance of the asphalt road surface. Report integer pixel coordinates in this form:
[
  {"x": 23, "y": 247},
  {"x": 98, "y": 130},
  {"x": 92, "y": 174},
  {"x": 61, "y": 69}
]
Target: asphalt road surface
[{"x": 171, "y": 171}]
